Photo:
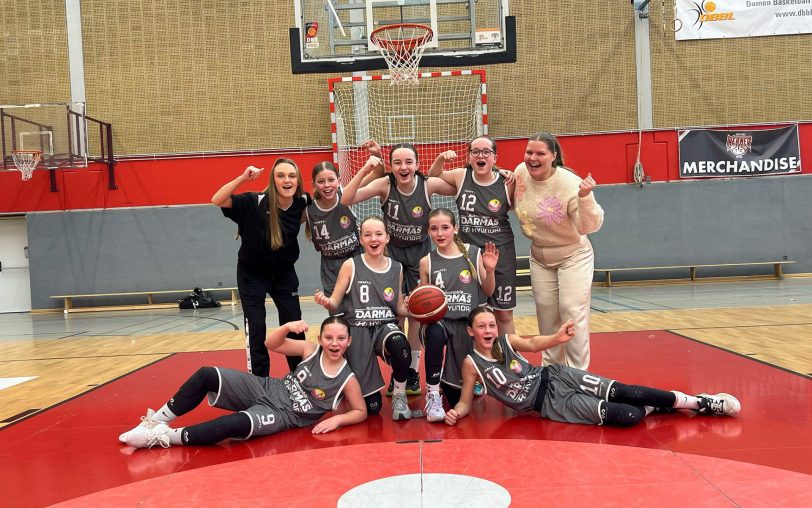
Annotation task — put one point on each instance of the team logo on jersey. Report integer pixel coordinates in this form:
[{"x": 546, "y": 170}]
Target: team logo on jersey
[
  {"x": 344, "y": 221},
  {"x": 515, "y": 366},
  {"x": 318, "y": 393},
  {"x": 494, "y": 205},
  {"x": 465, "y": 276},
  {"x": 388, "y": 294},
  {"x": 417, "y": 212}
]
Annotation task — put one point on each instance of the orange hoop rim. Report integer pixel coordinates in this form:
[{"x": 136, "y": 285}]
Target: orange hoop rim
[
  {"x": 407, "y": 42},
  {"x": 28, "y": 151}
]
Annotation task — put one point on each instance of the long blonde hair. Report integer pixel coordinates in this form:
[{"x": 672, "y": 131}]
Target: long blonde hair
[
  {"x": 274, "y": 222},
  {"x": 457, "y": 240}
]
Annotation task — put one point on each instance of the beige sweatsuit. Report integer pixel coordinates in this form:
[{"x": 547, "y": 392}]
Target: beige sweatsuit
[{"x": 562, "y": 262}]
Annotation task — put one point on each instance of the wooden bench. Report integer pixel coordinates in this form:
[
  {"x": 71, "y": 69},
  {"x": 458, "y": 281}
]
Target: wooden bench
[
  {"x": 778, "y": 272},
  {"x": 68, "y": 299}
]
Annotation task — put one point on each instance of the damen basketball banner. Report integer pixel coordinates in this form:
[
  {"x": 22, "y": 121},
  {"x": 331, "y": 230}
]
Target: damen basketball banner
[
  {"x": 716, "y": 19},
  {"x": 707, "y": 153}
]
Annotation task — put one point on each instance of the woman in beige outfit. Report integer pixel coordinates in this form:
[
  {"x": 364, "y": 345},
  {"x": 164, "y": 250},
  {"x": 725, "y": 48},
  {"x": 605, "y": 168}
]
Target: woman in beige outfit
[{"x": 556, "y": 210}]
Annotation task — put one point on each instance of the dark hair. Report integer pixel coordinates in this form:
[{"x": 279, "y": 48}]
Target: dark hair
[
  {"x": 274, "y": 222},
  {"x": 552, "y": 145},
  {"x": 318, "y": 168},
  {"x": 470, "y": 167},
  {"x": 403, "y": 145},
  {"x": 334, "y": 319},
  {"x": 496, "y": 350}
]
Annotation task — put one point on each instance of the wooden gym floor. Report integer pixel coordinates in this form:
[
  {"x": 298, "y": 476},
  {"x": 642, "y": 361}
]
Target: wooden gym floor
[{"x": 70, "y": 384}]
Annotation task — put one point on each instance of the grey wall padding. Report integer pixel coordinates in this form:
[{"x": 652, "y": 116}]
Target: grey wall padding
[{"x": 168, "y": 248}]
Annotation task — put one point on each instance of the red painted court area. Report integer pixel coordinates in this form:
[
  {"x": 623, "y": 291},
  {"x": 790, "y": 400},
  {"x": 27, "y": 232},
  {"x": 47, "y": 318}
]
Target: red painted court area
[{"x": 762, "y": 457}]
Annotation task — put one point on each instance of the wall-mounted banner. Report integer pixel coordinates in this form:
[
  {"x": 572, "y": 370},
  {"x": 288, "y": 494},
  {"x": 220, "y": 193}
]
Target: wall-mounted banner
[
  {"x": 717, "y": 19},
  {"x": 725, "y": 154}
]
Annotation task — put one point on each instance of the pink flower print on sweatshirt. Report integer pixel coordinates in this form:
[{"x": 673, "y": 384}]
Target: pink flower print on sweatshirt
[{"x": 550, "y": 210}]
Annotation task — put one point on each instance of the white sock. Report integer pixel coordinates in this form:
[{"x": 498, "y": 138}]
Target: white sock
[
  {"x": 175, "y": 436},
  {"x": 685, "y": 401},
  {"x": 433, "y": 388},
  {"x": 164, "y": 415},
  {"x": 415, "y": 360},
  {"x": 400, "y": 387}
]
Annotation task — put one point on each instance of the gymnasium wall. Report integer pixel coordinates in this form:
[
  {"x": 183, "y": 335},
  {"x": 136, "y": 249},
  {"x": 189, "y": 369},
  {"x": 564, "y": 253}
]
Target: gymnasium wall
[{"x": 169, "y": 248}]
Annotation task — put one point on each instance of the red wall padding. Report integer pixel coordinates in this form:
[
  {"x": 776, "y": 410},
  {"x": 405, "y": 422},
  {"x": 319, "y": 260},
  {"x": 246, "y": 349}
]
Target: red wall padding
[{"x": 156, "y": 182}]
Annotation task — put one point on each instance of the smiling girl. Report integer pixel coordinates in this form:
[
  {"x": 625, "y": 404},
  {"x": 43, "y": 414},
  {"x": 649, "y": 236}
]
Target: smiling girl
[
  {"x": 263, "y": 406},
  {"x": 558, "y": 392},
  {"x": 332, "y": 225},
  {"x": 368, "y": 287},
  {"x": 268, "y": 224},
  {"x": 557, "y": 209},
  {"x": 405, "y": 196}
]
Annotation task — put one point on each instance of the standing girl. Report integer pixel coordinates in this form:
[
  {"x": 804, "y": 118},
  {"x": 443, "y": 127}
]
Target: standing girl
[
  {"x": 263, "y": 406},
  {"x": 268, "y": 225},
  {"x": 466, "y": 275},
  {"x": 483, "y": 201},
  {"x": 405, "y": 196},
  {"x": 558, "y": 392},
  {"x": 368, "y": 286},
  {"x": 557, "y": 210},
  {"x": 332, "y": 225}
]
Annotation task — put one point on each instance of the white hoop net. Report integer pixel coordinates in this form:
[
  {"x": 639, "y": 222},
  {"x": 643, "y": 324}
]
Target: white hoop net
[
  {"x": 443, "y": 112},
  {"x": 402, "y": 47},
  {"x": 26, "y": 161}
]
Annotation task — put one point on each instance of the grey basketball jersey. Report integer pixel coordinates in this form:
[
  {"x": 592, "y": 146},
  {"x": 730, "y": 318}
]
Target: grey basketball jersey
[
  {"x": 334, "y": 231},
  {"x": 372, "y": 296},
  {"x": 312, "y": 391},
  {"x": 484, "y": 211},
  {"x": 407, "y": 216},
  {"x": 459, "y": 282},
  {"x": 513, "y": 381}
]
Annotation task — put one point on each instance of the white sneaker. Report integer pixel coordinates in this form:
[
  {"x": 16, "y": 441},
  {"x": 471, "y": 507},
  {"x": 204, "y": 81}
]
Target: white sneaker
[
  {"x": 719, "y": 404},
  {"x": 147, "y": 437},
  {"x": 146, "y": 421},
  {"x": 434, "y": 407},
  {"x": 400, "y": 407}
]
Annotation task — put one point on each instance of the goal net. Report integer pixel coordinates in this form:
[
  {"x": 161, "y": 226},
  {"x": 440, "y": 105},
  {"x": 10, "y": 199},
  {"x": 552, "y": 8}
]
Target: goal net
[{"x": 444, "y": 111}]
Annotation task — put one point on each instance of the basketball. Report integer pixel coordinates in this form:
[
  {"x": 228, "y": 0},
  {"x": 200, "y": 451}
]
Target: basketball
[{"x": 427, "y": 304}]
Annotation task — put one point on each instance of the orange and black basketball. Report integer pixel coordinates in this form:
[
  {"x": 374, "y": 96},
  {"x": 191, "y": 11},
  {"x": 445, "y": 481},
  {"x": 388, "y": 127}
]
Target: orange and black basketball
[{"x": 427, "y": 304}]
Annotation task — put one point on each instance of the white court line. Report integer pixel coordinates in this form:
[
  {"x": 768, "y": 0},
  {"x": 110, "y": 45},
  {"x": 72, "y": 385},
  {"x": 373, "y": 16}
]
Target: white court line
[{"x": 7, "y": 382}]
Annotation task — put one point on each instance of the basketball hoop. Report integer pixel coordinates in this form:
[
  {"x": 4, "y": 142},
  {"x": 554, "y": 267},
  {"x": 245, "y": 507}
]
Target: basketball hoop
[
  {"x": 26, "y": 161},
  {"x": 402, "y": 46}
]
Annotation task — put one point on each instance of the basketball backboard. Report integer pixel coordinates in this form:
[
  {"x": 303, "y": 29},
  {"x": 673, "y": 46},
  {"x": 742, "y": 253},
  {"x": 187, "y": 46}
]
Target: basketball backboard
[
  {"x": 58, "y": 130},
  {"x": 333, "y": 35}
]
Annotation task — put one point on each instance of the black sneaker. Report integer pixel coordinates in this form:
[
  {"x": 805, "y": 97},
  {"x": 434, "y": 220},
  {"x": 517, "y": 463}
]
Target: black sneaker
[{"x": 413, "y": 382}]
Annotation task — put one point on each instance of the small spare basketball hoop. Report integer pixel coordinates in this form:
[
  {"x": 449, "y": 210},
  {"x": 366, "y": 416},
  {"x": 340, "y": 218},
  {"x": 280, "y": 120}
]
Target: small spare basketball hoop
[
  {"x": 26, "y": 161},
  {"x": 402, "y": 46}
]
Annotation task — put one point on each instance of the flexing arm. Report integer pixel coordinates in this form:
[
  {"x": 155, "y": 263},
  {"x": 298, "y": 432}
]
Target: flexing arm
[
  {"x": 589, "y": 217},
  {"x": 354, "y": 193},
  {"x": 469, "y": 379},
  {"x": 487, "y": 264},
  {"x": 277, "y": 340},
  {"x": 439, "y": 186},
  {"x": 222, "y": 197},
  {"x": 332, "y": 301},
  {"x": 356, "y": 414},
  {"x": 542, "y": 342},
  {"x": 436, "y": 168}
]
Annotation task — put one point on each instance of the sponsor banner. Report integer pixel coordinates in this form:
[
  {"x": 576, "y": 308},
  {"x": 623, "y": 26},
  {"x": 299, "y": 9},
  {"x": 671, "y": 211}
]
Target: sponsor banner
[
  {"x": 725, "y": 154},
  {"x": 717, "y": 19}
]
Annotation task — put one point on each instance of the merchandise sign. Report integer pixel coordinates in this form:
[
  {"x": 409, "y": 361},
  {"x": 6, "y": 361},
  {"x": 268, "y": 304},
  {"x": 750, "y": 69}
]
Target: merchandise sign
[
  {"x": 725, "y": 154},
  {"x": 717, "y": 19}
]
